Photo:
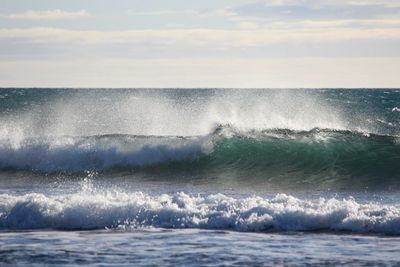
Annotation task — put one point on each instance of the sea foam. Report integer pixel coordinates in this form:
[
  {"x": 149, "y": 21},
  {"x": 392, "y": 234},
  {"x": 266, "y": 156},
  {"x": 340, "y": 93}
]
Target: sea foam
[{"x": 131, "y": 210}]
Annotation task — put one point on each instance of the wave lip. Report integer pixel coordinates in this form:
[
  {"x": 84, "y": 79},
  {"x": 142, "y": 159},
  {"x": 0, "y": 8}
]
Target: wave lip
[{"x": 127, "y": 211}]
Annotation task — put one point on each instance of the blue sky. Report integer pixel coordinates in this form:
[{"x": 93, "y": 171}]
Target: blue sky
[{"x": 131, "y": 43}]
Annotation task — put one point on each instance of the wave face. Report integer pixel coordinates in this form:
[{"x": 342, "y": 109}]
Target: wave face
[
  {"x": 338, "y": 138},
  {"x": 126, "y": 211},
  {"x": 309, "y": 156}
]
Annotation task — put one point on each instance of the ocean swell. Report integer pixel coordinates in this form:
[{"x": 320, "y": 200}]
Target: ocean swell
[{"x": 257, "y": 152}]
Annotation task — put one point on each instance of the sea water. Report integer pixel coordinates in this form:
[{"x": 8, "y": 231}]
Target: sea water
[{"x": 199, "y": 176}]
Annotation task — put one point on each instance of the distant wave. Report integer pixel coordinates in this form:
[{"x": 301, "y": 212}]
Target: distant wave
[
  {"x": 126, "y": 211},
  {"x": 264, "y": 153}
]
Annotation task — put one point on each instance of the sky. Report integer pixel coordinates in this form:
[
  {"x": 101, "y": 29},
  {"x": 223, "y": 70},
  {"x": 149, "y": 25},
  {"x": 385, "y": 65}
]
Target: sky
[{"x": 207, "y": 43}]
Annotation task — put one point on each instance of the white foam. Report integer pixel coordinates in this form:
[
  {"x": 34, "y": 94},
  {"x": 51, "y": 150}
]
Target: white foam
[{"x": 124, "y": 210}]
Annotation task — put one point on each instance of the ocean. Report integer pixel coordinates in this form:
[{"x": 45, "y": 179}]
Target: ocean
[{"x": 199, "y": 177}]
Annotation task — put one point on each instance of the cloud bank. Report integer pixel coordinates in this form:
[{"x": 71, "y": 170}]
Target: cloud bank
[
  {"x": 55, "y": 14},
  {"x": 258, "y": 43}
]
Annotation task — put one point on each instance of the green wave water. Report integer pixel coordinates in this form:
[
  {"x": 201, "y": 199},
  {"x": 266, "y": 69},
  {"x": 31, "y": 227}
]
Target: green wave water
[
  {"x": 278, "y": 156},
  {"x": 297, "y": 138}
]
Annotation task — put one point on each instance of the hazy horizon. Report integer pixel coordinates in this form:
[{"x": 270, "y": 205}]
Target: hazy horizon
[{"x": 193, "y": 44}]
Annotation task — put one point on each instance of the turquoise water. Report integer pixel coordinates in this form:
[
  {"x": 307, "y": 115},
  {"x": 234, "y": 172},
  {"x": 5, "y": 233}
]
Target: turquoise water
[{"x": 199, "y": 177}]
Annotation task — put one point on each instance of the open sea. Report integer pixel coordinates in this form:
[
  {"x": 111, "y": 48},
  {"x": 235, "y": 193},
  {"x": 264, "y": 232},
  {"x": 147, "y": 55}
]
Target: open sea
[{"x": 199, "y": 177}]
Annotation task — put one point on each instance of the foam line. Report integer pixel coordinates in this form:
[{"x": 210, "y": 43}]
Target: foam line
[{"x": 125, "y": 211}]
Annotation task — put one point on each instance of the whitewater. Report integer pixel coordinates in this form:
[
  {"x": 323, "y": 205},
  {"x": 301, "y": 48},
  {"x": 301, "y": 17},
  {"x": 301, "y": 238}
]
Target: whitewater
[{"x": 201, "y": 175}]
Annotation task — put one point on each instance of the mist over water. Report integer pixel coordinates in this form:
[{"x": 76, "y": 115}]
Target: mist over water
[
  {"x": 254, "y": 134},
  {"x": 187, "y": 112}
]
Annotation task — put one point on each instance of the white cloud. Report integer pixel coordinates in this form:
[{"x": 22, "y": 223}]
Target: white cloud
[
  {"x": 55, "y": 14},
  {"x": 220, "y": 12},
  {"x": 164, "y": 12},
  {"x": 201, "y": 37},
  {"x": 283, "y": 10}
]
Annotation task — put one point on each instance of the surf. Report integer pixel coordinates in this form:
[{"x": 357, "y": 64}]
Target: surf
[
  {"x": 282, "y": 139},
  {"x": 274, "y": 155},
  {"x": 128, "y": 211}
]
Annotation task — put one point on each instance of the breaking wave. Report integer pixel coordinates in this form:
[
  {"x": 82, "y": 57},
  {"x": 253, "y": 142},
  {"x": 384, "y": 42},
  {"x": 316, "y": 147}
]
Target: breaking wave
[
  {"x": 327, "y": 153},
  {"x": 127, "y": 211}
]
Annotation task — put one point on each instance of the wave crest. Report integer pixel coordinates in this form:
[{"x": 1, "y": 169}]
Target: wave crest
[{"x": 325, "y": 158}]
